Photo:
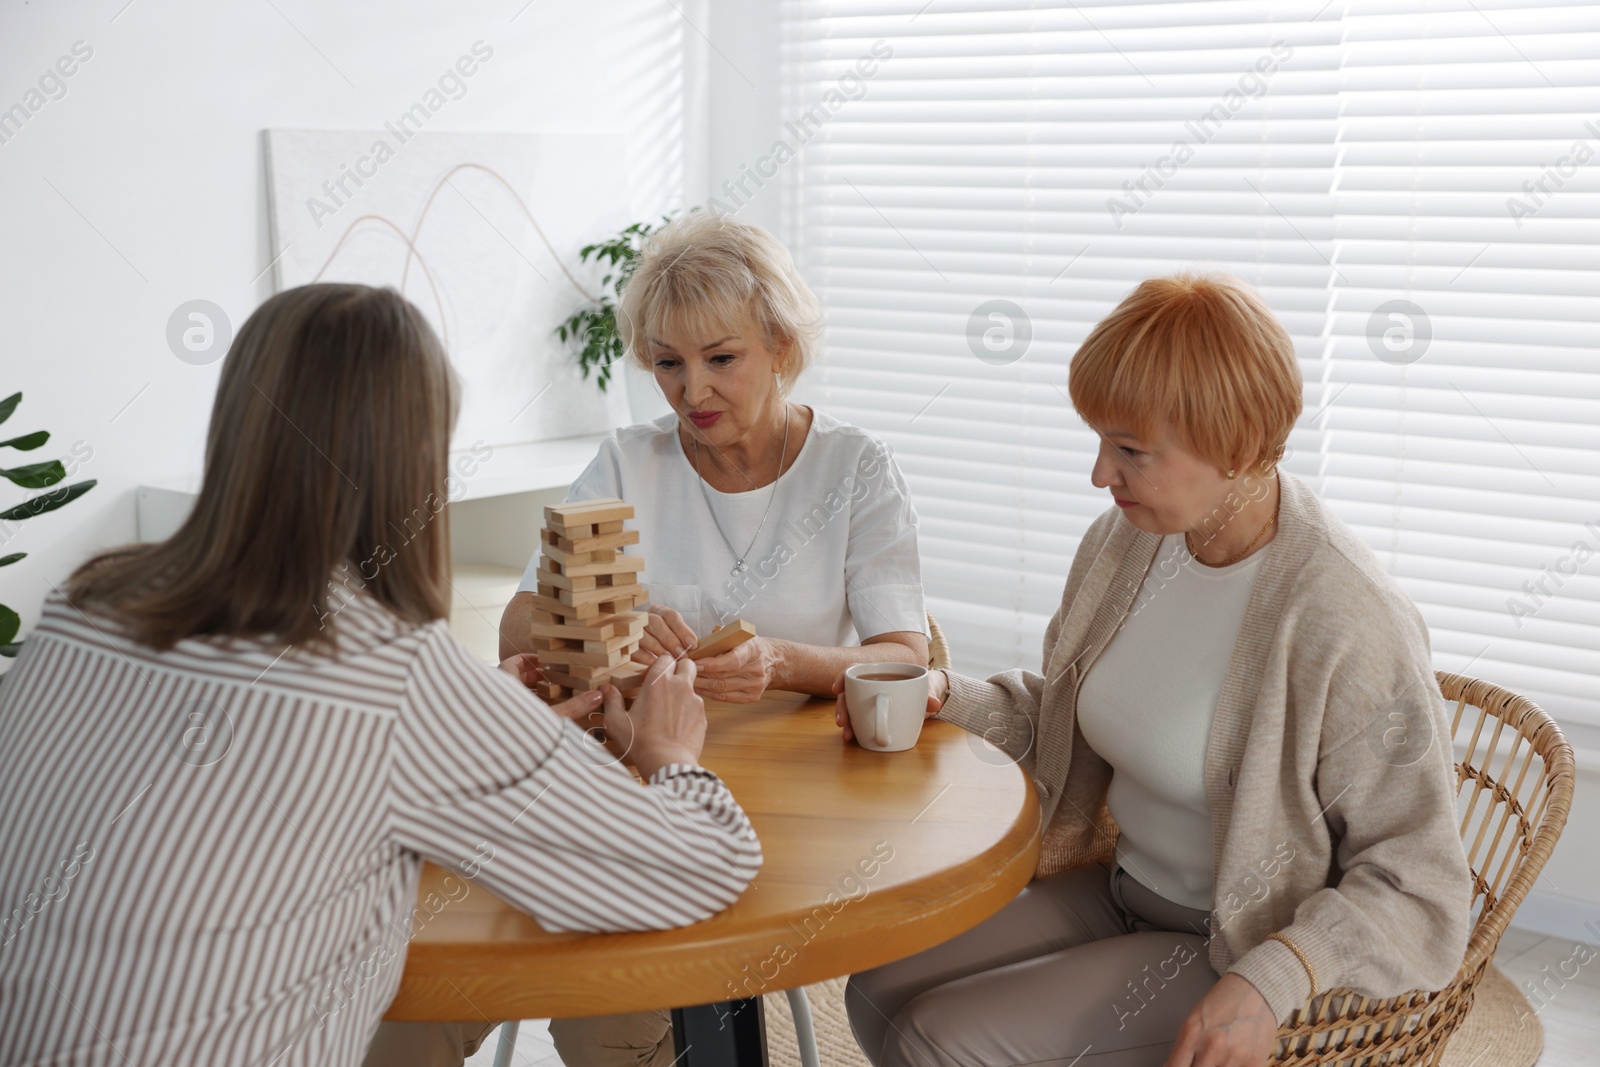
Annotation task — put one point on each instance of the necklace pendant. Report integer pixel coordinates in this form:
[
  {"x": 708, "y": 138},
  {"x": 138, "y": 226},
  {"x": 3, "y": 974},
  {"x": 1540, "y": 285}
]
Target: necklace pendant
[{"x": 738, "y": 566}]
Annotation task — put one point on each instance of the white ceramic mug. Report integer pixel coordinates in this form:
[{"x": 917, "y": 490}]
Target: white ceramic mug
[{"x": 886, "y": 713}]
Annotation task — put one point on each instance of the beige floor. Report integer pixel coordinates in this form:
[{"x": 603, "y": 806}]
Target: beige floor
[{"x": 1570, "y": 1007}]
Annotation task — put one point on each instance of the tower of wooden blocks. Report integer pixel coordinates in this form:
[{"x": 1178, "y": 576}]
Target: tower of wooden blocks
[{"x": 584, "y": 628}]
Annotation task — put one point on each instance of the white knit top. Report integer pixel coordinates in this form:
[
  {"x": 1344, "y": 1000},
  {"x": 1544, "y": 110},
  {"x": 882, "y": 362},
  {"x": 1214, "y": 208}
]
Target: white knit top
[{"x": 1146, "y": 707}]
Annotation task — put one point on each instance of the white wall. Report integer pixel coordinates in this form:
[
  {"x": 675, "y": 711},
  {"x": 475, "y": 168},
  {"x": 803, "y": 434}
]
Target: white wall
[
  {"x": 744, "y": 108},
  {"x": 142, "y": 187}
]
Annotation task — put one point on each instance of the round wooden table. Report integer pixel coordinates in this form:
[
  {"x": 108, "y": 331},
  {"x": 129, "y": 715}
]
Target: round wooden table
[{"x": 869, "y": 857}]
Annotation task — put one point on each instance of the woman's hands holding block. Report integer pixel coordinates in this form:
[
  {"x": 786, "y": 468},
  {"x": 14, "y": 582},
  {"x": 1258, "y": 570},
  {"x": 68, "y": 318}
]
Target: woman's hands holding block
[
  {"x": 665, "y": 634},
  {"x": 666, "y": 724},
  {"x": 736, "y": 665}
]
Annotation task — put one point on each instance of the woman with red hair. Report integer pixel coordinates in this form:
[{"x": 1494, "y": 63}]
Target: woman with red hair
[{"x": 1235, "y": 736}]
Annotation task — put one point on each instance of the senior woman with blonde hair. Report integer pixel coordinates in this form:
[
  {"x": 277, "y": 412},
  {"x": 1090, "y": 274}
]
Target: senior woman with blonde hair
[
  {"x": 749, "y": 506},
  {"x": 1234, "y": 822}
]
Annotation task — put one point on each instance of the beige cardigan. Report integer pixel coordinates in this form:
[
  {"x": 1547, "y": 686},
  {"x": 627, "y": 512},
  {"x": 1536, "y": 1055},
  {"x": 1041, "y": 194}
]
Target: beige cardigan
[{"x": 1328, "y": 770}]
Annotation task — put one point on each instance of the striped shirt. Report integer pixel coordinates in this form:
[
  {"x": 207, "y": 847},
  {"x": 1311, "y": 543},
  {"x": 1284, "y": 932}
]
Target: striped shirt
[{"x": 211, "y": 854}]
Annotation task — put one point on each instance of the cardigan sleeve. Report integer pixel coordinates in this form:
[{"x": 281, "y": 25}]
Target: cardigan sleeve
[
  {"x": 1004, "y": 709},
  {"x": 1396, "y": 915}
]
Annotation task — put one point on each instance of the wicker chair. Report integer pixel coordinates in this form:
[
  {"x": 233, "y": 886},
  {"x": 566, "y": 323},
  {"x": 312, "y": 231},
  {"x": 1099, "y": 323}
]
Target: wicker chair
[
  {"x": 938, "y": 647},
  {"x": 1514, "y": 789}
]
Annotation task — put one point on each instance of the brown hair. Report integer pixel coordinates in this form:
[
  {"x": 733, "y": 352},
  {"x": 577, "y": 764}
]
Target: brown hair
[
  {"x": 329, "y": 434},
  {"x": 1202, "y": 350}
]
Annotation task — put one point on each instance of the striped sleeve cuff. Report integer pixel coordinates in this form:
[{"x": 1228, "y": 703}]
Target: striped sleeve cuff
[{"x": 673, "y": 770}]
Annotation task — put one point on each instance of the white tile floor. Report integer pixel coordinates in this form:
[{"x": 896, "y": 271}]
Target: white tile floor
[
  {"x": 533, "y": 1047},
  {"x": 1569, "y": 1008}
]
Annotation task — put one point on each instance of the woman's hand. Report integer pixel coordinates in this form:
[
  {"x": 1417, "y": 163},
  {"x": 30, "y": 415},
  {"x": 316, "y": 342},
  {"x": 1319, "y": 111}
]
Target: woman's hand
[
  {"x": 741, "y": 674},
  {"x": 524, "y": 667},
  {"x": 665, "y": 634},
  {"x": 667, "y": 723},
  {"x": 938, "y": 692},
  {"x": 1232, "y": 1026}
]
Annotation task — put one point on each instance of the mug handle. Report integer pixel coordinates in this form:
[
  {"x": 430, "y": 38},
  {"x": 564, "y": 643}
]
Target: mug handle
[{"x": 880, "y": 719}]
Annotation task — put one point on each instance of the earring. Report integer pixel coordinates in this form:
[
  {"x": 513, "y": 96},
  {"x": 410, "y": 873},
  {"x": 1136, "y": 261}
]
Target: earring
[{"x": 1231, "y": 472}]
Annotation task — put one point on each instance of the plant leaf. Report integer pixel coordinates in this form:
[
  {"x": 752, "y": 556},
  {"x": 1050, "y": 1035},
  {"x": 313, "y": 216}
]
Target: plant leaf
[
  {"x": 35, "y": 475},
  {"x": 8, "y": 405},
  {"x": 10, "y": 651},
  {"x": 38, "y": 505},
  {"x": 9, "y": 624},
  {"x": 6, "y": 561},
  {"x": 28, "y": 441}
]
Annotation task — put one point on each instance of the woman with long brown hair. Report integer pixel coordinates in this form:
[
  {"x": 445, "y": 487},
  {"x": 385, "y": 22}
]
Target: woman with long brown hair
[{"x": 224, "y": 757}]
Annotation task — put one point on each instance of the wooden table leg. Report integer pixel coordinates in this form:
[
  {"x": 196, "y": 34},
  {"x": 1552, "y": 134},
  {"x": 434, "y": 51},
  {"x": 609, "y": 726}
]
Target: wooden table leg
[{"x": 729, "y": 1033}]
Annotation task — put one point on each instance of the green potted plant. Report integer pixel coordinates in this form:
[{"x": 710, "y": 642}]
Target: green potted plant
[
  {"x": 30, "y": 476},
  {"x": 593, "y": 327}
]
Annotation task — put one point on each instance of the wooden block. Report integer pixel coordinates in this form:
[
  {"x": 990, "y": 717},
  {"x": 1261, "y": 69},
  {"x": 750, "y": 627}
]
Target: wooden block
[
  {"x": 591, "y": 677},
  {"x": 627, "y": 624},
  {"x": 588, "y": 512},
  {"x": 570, "y": 533},
  {"x": 568, "y": 560},
  {"x": 561, "y": 680},
  {"x": 601, "y": 596},
  {"x": 549, "y": 577},
  {"x": 629, "y": 679},
  {"x": 625, "y": 677},
  {"x": 622, "y": 565},
  {"x": 577, "y": 657},
  {"x": 585, "y": 614},
  {"x": 627, "y": 638},
  {"x": 591, "y": 543},
  {"x": 717, "y": 642},
  {"x": 589, "y": 604},
  {"x": 552, "y": 694},
  {"x": 601, "y": 529},
  {"x": 541, "y": 643},
  {"x": 617, "y": 607}
]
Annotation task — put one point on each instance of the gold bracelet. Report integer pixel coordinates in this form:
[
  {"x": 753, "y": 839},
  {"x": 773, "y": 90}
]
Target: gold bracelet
[{"x": 1301, "y": 956}]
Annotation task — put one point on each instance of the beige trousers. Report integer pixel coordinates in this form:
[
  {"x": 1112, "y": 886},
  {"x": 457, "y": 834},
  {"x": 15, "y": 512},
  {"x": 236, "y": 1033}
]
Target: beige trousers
[
  {"x": 637, "y": 1039},
  {"x": 425, "y": 1044},
  {"x": 1086, "y": 967}
]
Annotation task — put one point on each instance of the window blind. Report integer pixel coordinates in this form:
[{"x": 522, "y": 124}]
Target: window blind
[{"x": 971, "y": 203}]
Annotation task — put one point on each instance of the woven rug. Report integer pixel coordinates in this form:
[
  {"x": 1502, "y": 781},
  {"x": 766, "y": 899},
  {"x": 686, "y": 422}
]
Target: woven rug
[{"x": 1496, "y": 1033}]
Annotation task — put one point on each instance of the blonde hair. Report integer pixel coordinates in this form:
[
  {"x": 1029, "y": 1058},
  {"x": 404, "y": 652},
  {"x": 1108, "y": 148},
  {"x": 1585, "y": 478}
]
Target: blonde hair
[
  {"x": 1202, "y": 350},
  {"x": 706, "y": 273}
]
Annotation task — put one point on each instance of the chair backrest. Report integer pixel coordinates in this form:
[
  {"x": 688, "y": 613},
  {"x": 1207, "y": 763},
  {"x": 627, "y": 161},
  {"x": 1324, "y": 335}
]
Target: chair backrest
[
  {"x": 1514, "y": 776},
  {"x": 938, "y": 647}
]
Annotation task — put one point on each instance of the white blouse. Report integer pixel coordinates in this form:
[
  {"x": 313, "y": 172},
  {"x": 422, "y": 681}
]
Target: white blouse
[{"x": 835, "y": 562}]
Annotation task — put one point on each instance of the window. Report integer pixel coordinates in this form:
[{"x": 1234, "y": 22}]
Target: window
[{"x": 1408, "y": 183}]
